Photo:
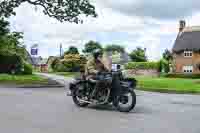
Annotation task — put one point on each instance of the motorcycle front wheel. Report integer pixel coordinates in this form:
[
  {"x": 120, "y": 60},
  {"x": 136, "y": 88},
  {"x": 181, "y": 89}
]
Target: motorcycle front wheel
[
  {"x": 76, "y": 96},
  {"x": 125, "y": 102}
]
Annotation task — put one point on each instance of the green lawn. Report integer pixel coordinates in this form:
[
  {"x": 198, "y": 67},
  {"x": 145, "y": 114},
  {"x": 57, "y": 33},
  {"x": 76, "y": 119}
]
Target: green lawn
[
  {"x": 22, "y": 79},
  {"x": 173, "y": 85}
]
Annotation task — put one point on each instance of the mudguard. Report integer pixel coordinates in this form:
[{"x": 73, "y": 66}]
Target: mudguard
[
  {"x": 77, "y": 81},
  {"x": 129, "y": 83},
  {"x": 73, "y": 84}
]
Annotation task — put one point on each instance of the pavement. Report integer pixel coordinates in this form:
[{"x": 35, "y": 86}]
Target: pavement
[{"x": 49, "y": 110}]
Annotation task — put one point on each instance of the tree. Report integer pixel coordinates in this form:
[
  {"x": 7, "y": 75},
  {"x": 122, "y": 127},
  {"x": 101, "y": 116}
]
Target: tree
[
  {"x": 72, "y": 50},
  {"x": 62, "y": 10},
  {"x": 114, "y": 48},
  {"x": 165, "y": 61},
  {"x": 54, "y": 63},
  {"x": 74, "y": 62},
  {"x": 167, "y": 55},
  {"x": 91, "y": 46},
  {"x": 10, "y": 41},
  {"x": 4, "y": 27},
  {"x": 138, "y": 55},
  {"x": 12, "y": 52}
]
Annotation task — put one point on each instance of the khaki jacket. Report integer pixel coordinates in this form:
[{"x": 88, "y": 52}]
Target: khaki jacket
[{"x": 93, "y": 67}]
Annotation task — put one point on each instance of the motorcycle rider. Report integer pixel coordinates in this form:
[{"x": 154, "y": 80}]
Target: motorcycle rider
[{"x": 96, "y": 64}]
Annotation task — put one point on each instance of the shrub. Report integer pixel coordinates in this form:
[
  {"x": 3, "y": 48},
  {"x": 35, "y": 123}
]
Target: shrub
[
  {"x": 54, "y": 62},
  {"x": 70, "y": 63},
  {"x": 59, "y": 67},
  {"x": 163, "y": 65},
  {"x": 142, "y": 65},
  {"x": 11, "y": 63},
  {"x": 191, "y": 76},
  {"x": 74, "y": 62},
  {"x": 27, "y": 69}
]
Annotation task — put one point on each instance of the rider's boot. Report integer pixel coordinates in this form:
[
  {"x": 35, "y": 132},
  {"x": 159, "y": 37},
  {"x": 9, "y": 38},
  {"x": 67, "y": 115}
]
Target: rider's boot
[{"x": 69, "y": 93}]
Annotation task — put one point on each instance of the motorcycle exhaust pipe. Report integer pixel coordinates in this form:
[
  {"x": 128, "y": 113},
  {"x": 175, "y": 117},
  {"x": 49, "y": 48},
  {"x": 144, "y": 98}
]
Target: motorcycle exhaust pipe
[{"x": 85, "y": 101}]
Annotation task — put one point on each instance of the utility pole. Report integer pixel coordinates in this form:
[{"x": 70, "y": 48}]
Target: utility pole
[{"x": 60, "y": 49}]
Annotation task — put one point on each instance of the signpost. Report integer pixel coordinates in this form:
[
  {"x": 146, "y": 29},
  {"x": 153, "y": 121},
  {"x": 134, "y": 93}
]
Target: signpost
[{"x": 34, "y": 50}]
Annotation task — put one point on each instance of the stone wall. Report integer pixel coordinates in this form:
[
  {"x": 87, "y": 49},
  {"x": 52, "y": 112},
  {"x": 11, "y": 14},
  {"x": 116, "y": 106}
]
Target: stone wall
[{"x": 142, "y": 72}]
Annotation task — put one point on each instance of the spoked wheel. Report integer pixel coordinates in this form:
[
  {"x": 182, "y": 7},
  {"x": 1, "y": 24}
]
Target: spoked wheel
[
  {"x": 125, "y": 102},
  {"x": 77, "y": 96}
]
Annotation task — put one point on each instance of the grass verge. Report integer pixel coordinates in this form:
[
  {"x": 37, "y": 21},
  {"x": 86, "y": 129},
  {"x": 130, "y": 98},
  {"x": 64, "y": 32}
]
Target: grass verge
[
  {"x": 169, "y": 85},
  {"x": 22, "y": 79}
]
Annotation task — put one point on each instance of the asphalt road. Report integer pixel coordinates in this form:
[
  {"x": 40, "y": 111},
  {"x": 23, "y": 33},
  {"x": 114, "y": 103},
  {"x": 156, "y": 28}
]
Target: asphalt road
[{"x": 44, "y": 110}]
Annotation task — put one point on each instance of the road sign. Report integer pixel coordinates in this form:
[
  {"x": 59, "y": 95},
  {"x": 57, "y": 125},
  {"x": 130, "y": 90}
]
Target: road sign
[{"x": 34, "y": 51}]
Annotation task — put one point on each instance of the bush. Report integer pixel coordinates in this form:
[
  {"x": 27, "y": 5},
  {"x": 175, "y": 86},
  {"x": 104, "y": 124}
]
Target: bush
[
  {"x": 11, "y": 63},
  {"x": 74, "y": 62},
  {"x": 59, "y": 67},
  {"x": 27, "y": 69},
  {"x": 142, "y": 65},
  {"x": 54, "y": 62},
  {"x": 191, "y": 76},
  {"x": 163, "y": 65},
  {"x": 70, "y": 63}
]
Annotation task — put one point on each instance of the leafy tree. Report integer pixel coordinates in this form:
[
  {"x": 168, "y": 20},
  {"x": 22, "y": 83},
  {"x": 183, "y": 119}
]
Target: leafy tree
[
  {"x": 10, "y": 41},
  {"x": 138, "y": 55},
  {"x": 74, "y": 62},
  {"x": 165, "y": 61},
  {"x": 91, "y": 46},
  {"x": 114, "y": 48},
  {"x": 163, "y": 66},
  {"x": 4, "y": 27},
  {"x": 72, "y": 50},
  {"x": 62, "y": 10},
  {"x": 167, "y": 55},
  {"x": 54, "y": 62}
]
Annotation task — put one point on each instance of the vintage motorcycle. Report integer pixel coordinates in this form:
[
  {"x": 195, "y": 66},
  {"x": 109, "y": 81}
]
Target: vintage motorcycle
[{"x": 110, "y": 87}]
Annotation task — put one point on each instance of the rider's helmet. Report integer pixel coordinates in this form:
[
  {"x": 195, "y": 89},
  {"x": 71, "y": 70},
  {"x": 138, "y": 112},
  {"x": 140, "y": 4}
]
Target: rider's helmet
[{"x": 97, "y": 53}]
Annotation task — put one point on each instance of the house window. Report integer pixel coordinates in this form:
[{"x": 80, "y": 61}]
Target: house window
[
  {"x": 187, "y": 53},
  {"x": 187, "y": 69}
]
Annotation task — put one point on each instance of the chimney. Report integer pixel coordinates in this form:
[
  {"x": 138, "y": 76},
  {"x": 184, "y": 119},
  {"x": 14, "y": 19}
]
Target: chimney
[{"x": 182, "y": 25}]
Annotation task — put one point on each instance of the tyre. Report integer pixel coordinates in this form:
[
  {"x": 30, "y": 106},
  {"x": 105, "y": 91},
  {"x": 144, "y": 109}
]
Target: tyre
[
  {"x": 125, "y": 102},
  {"x": 76, "y": 97}
]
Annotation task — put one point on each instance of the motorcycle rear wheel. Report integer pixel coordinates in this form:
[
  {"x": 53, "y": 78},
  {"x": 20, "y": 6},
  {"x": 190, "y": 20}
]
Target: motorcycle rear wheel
[{"x": 121, "y": 100}]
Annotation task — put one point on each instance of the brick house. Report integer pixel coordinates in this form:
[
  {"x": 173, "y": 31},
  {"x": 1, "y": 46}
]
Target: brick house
[{"x": 186, "y": 50}]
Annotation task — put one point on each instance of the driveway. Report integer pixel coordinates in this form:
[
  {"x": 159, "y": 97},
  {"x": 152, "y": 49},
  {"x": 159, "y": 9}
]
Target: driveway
[{"x": 49, "y": 110}]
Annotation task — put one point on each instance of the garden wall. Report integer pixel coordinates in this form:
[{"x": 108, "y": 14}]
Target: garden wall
[
  {"x": 142, "y": 72},
  {"x": 142, "y": 68}
]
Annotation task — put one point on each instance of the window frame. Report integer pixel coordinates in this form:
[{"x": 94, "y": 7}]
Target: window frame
[
  {"x": 188, "y": 69},
  {"x": 188, "y": 53}
]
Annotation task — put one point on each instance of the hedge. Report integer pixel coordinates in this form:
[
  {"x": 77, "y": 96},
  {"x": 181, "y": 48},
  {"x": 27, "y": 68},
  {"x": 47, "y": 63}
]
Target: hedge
[
  {"x": 28, "y": 70},
  {"x": 190, "y": 76},
  {"x": 142, "y": 65}
]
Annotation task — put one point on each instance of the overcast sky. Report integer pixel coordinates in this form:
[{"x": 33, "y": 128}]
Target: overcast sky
[{"x": 152, "y": 24}]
